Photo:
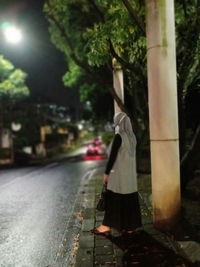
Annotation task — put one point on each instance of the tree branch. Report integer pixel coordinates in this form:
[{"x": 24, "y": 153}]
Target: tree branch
[
  {"x": 119, "y": 59},
  {"x": 195, "y": 139},
  {"x": 134, "y": 15},
  {"x": 184, "y": 8},
  {"x": 64, "y": 34},
  {"x": 66, "y": 37},
  {"x": 124, "y": 63},
  {"x": 118, "y": 100},
  {"x": 100, "y": 15}
]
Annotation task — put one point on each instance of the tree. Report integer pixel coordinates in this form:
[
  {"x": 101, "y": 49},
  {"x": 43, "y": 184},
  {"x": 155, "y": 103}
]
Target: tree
[
  {"x": 69, "y": 38},
  {"x": 12, "y": 81},
  {"x": 188, "y": 72},
  {"x": 12, "y": 89},
  {"x": 92, "y": 32}
]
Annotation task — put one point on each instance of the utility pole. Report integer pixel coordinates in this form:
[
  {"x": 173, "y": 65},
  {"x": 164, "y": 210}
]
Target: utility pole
[
  {"x": 118, "y": 83},
  {"x": 162, "y": 86}
]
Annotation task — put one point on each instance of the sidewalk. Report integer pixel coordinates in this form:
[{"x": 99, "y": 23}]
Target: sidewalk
[{"x": 148, "y": 247}]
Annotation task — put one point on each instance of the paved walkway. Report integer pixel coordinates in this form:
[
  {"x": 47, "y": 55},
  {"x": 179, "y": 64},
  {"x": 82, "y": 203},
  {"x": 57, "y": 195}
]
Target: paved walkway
[{"x": 148, "y": 247}]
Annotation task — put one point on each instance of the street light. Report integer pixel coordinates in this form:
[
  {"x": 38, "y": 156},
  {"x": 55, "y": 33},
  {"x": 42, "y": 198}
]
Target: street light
[{"x": 12, "y": 34}]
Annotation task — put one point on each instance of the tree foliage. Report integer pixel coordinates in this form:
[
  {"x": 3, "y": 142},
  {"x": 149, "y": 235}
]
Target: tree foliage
[
  {"x": 69, "y": 21},
  {"x": 12, "y": 81},
  {"x": 12, "y": 90},
  {"x": 92, "y": 32}
]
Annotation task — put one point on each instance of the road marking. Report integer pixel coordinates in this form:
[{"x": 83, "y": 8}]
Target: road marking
[
  {"x": 87, "y": 176},
  {"x": 92, "y": 173},
  {"x": 15, "y": 179},
  {"x": 51, "y": 165},
  {"x": 29, "y": 174}
]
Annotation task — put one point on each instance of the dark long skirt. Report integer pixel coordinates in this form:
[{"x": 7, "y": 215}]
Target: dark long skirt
[{"x": 122, "y": 211}]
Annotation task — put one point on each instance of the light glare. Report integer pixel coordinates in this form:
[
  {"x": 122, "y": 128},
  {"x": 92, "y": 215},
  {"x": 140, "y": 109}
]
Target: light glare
[{"x": 13, "y": 35}]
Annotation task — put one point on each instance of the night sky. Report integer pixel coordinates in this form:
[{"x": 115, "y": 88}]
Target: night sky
[{"x": 36, "y": 55}]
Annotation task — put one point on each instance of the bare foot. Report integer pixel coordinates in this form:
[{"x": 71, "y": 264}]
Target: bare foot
[{"x": 103, "y": 228}]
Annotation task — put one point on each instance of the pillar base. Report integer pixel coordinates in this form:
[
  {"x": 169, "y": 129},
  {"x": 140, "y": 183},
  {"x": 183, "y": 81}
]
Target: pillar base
[{"x": 167, "y": 225}]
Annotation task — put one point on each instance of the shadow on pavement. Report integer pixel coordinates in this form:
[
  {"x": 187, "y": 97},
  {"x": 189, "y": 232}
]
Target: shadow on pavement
[{"x": 141, "y": 249}]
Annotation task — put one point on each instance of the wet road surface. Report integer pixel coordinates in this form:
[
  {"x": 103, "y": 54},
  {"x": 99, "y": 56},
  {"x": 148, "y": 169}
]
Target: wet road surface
[{"x": 35, "y": 206}]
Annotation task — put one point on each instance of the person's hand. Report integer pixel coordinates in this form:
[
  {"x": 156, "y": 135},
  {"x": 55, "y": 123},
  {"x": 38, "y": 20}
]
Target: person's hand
[{"x": 105, "y": 178}]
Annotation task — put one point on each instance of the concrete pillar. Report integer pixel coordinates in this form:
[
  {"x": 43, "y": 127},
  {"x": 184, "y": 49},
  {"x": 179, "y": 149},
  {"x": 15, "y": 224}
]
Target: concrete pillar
[
  {"x": 118, "y": 83},
  {"x": 162, "y": 86}
]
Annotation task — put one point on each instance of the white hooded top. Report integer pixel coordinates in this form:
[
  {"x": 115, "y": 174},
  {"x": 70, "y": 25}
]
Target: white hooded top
[{"x": 123, "y": 176}]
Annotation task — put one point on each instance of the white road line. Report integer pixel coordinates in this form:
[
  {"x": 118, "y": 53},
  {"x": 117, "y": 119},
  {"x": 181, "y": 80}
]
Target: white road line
[
  {"x": 87, "y": 176},
  {"x": 28, "y": 174},
  {"x": 51, "y": 165},
  {"x": 17, "y": 178}
]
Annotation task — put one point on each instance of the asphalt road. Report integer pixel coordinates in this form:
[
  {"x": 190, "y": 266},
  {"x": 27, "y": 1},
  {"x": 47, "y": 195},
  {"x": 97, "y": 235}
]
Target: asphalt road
[{"x": 36, "y": 204}]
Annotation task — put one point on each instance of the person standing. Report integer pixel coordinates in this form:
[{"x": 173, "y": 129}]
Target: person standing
[{"x": 122, "y": 210}]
